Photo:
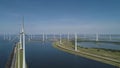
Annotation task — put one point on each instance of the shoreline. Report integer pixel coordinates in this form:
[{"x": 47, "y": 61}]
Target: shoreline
[
  {"x": 10, "y": 59},
  {"x": 98, "y": 58},
  {"x": 13, "y": 59}
]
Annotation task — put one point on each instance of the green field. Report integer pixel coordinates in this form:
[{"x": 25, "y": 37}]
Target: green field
[{"x": 106, "y": 56}]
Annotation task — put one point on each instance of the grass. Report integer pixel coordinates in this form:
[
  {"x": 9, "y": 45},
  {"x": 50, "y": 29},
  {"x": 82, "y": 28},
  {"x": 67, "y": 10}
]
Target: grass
[
  {"x": 82, "y": 52},
  {"x": 21, "y": 56},
  {"x": 100, "y": 41}
]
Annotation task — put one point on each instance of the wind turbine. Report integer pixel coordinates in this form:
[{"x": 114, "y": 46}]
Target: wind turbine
[
  {"x": 23, "y": 35},
  {"x": 20, "y": 40},
  {"x": 68, "y": 36},
  {"x": 60, "y": 39},
  {"x": 96, "y": 37},
  {"x": 43, "y": 37},
  {"x": 75, "y": 41}
]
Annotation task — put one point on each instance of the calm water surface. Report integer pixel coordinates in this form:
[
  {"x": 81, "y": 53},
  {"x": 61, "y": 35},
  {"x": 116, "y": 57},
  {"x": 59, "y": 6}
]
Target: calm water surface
[
  {"x": 5, "y": 50},
  {"x": 100, "y": 45},
  {"x": 43, "y": 55}
]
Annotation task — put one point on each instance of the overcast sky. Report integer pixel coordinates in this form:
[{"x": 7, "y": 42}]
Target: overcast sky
[{"x": 83, "y": 16}]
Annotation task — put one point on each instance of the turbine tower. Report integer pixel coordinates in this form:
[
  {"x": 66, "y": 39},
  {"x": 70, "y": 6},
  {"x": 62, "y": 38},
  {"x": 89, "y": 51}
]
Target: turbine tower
[
  {"x": 96, "y": 37},
  {"x": 68, "y": 36},
  {"x": 23, "y": 34},
  {"x": 75, "y": 41},
  {"x": 20, "y": 40},
  {"x": 60, "y": 39},
  {"x": 43, "y": 37}
]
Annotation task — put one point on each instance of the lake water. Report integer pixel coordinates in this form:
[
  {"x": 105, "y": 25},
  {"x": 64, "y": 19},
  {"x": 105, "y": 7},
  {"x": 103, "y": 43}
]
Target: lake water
[
  {"x": 5, "y": 50},
  {"x": 99, "y": 45},
  {"x": 43, "y": 55}
]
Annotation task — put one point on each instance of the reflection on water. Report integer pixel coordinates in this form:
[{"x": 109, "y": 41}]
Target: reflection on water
[
  {"x": 5, "y": 50},
  {"x": 39, "y": 55},
  {"x": 99, "y": 45}
]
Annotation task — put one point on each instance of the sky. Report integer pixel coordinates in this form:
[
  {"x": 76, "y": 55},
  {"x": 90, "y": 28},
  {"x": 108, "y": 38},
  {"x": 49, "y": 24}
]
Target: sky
[{"x": 60, "y": 16}]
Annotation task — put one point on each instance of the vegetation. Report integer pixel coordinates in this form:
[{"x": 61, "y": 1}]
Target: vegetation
[
  {"x": 20, "y": 54},
  {"x": 103, "y": 55},
  {"x": 112, "y": 42}
]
